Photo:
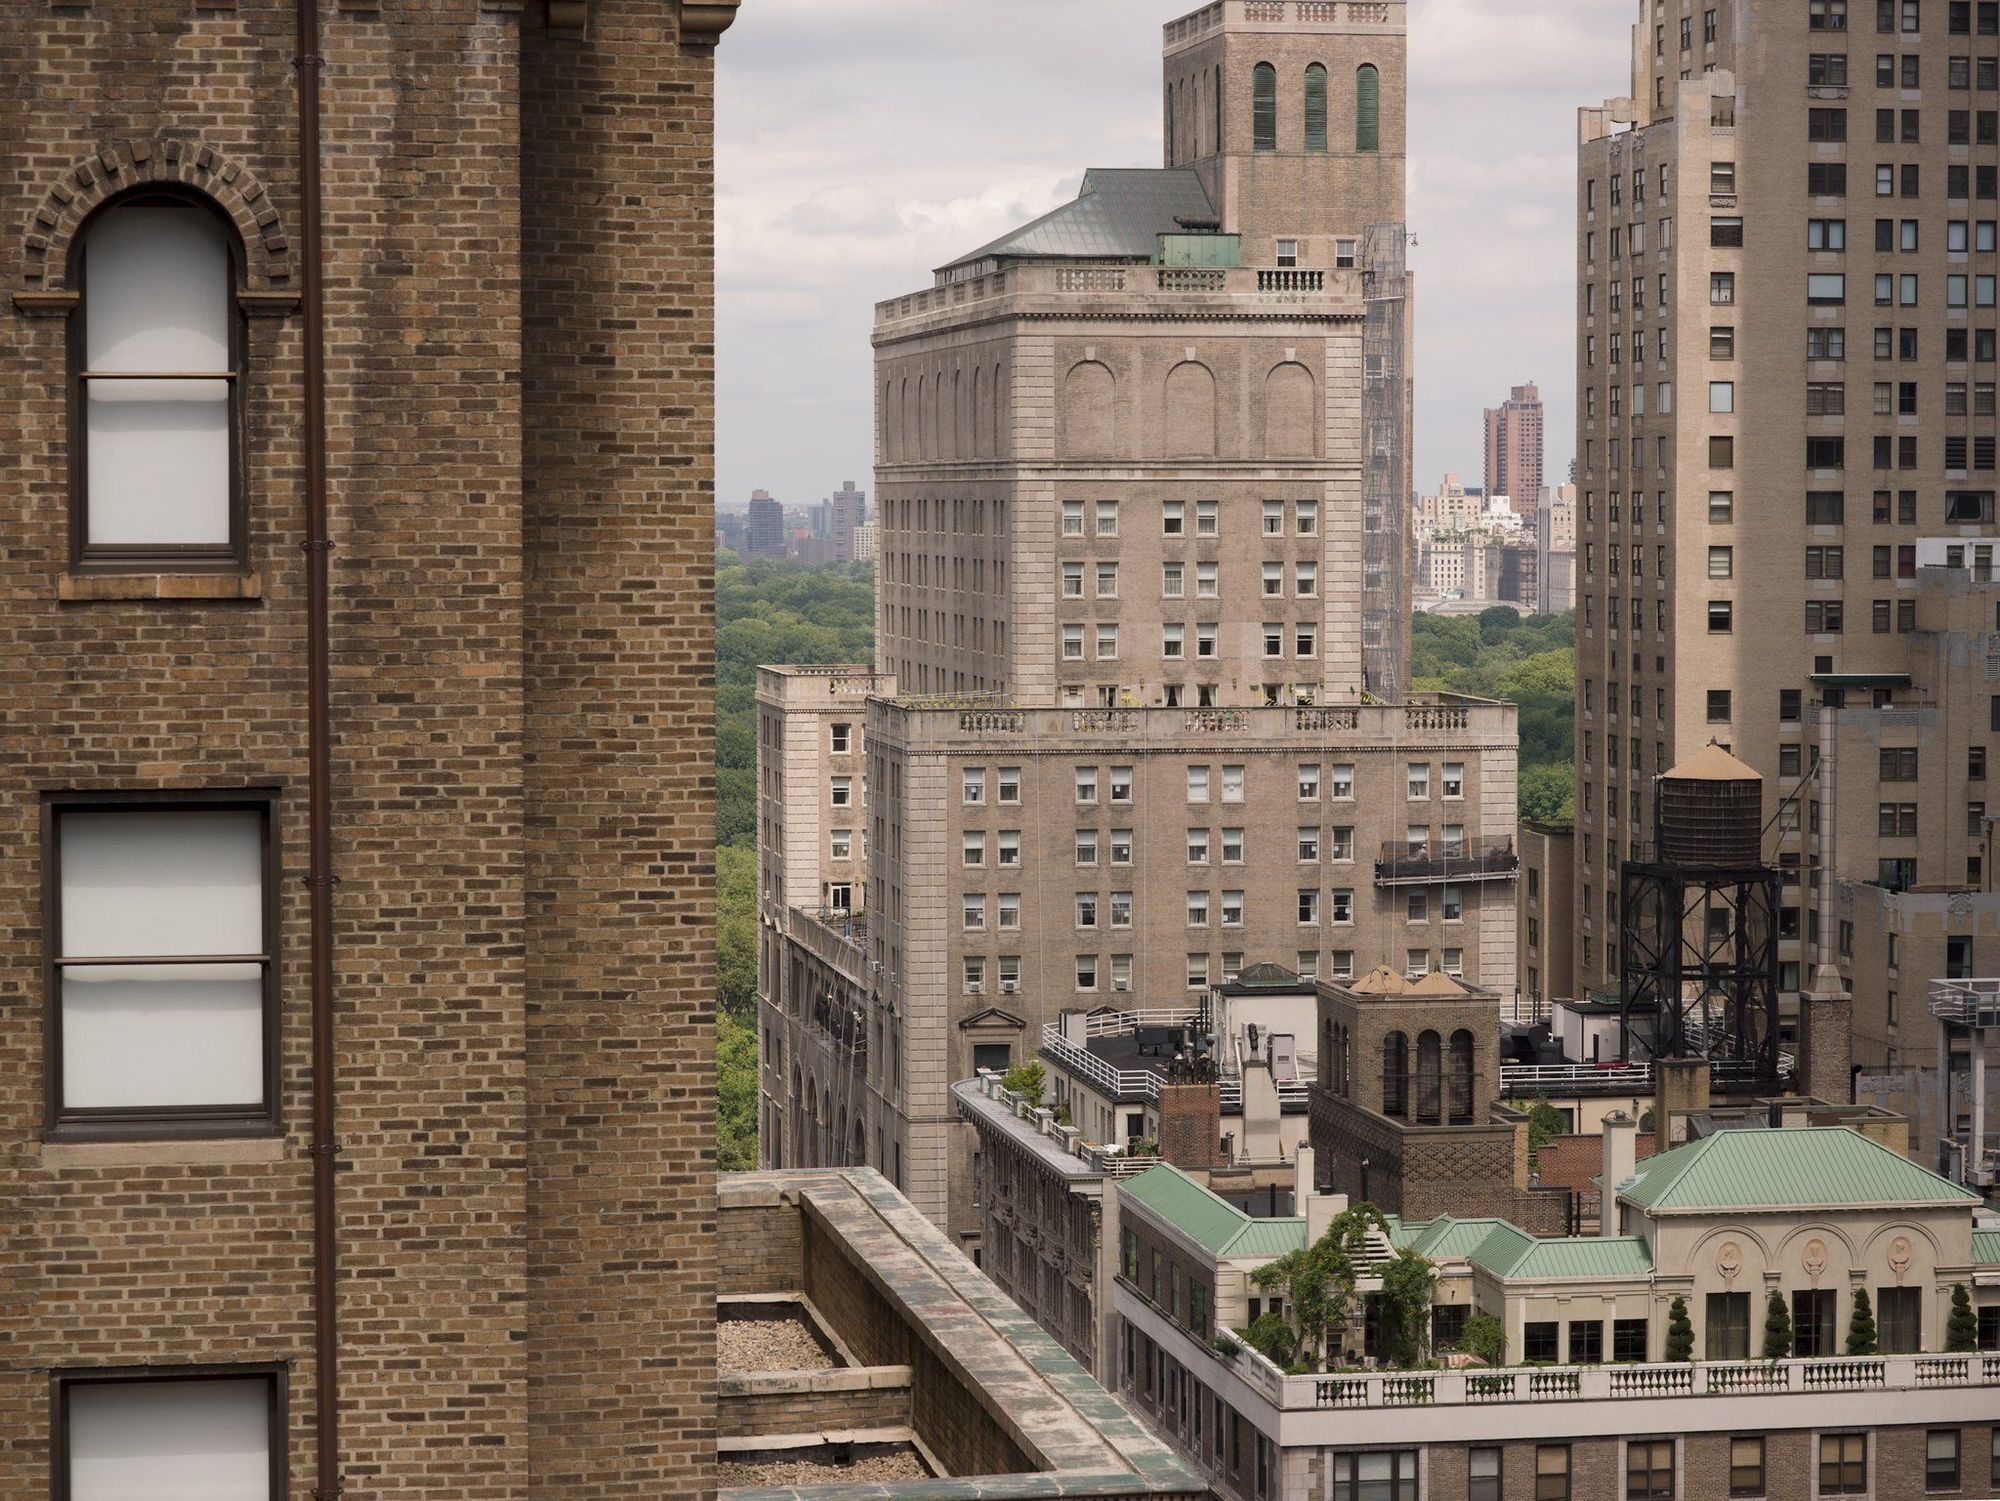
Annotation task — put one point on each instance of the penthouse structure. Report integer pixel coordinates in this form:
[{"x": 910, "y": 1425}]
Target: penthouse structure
[{"x": 1138, "y": 718}]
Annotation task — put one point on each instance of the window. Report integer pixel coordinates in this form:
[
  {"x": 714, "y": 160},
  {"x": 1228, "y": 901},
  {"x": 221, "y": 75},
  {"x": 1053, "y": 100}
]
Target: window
[
  {"x": 974, "y": 847},
  {"x": 1482, "y": 1474},
  {"x": 1826, "y": 124},
  {"x": 1721, "y": 617},
  {"x": 1725, "y": 230},
  {"x": 179, "y": 1037},
  {"x": 1826, "y": 179},
  {"x": 1941, "y": 1459},
  {"x": 1628, "y": 1340},
  {"x": 1898, "y": 764},
  {"x": 1367, "y": 108},
  {"x": 1827, "y": 15},
  {"x": 1721, "y": 506},
  {"x": 1722, "y": 452},
  {"x": 1539, "y": 1342},
  {"x": 1107, "y": 518},
  {"x": 156, "y": 353},
  {"x": 1072, "y": 518},
  {"x": 1264, "y": 107},
  {"x": 841, "y": 844},
  {"x": 1899, "y": 1310},
  {"x": 1718, "y": 706},
  {"x": 212, "y": 1431},
  {"x": 1826, "y": 288},
  {"x": 1586, "y": 1342},
  {"x": 1232, "y": 784},
  {"x": 1207, "y": 518},
  {"x": 1009, "y": 914},
  {"x": 1746, "y": 1466},
  {"x": 1010, "y": 784},
  {"x": 1843, "y": 1464},
  {"x": 1649, "y": 1470},
  {"x": 1551, "y": 1466},
  {"x": 1375, "y": 1475},
  {"x": 1722, "y": 396},
  {"x": 1812, "y": 1322},
  {"x": 1232, "y": 845},
  {"x": 1306, "y": 516},
  {"x": 1341, "y": 783},
  {"x": 1728, "y": 1333},
  {"x": 1173, "y": 517}
]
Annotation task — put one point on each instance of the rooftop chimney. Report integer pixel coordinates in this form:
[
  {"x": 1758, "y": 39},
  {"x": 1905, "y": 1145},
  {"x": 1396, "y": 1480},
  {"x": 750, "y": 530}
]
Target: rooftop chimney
[{"x": 1621, "y": 1159}]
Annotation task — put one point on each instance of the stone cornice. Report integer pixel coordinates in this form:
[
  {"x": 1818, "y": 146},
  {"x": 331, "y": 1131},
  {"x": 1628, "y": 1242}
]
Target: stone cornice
[{"x": 704, "y": 21}]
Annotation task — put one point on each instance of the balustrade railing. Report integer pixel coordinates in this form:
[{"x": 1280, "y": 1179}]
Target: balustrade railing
[{"x": 1650, "y": 1382}]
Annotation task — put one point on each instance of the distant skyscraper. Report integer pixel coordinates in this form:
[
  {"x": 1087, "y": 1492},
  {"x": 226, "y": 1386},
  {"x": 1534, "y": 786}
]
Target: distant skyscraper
[
  {"x": 1514, "y": 449},
  {"x": 764, "y": 537},
  {"x": 847, "y": 508}
]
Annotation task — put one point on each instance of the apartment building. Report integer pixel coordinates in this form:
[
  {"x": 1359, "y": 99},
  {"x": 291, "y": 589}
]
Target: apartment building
[
  {"x": 1142, "y": 588},
  {"x": 356, "y": 1124},
  {"x": 1514, "y": 449},
  {"x": 1785, "y": 440},
  {"x": 1587, "y": 1399}
]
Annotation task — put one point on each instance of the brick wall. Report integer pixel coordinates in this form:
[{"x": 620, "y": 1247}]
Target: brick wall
[
  {"x": 522, "y": 838},
  {"x": 767, "y": 1255},
  {"x": 1191, "y": 1125},
  {"x": 749, "y": 1414}
]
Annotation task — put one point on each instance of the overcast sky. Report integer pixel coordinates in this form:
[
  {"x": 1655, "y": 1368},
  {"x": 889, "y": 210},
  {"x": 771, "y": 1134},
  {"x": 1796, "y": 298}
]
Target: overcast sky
[{"x": 864, "y": 142}]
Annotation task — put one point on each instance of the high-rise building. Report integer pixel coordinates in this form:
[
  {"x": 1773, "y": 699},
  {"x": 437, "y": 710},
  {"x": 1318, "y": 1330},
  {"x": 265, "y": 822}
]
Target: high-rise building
[
  {"x": 1514, "y": 449},
  {"x": 847, "y": 512},
  {"x": 764, "y": 532},
  {"x": 356, "y": 1121},
  {"x": 1785, "y": 433},
  {"x": 1137, "y": 721}
]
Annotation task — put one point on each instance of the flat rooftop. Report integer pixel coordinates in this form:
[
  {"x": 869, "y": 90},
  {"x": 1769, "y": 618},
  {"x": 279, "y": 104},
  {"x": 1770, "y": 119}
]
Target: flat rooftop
[{"x": 916, "y": 1377}]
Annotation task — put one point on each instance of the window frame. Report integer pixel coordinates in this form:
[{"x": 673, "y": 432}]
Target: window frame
[
  {"x": 160, "y": 1122},
  {"x": 154, "y": 557},
  {"x": 65, "y": 1379}
]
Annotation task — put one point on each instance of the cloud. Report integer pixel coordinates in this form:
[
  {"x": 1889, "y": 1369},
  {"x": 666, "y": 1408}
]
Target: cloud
[{"x": 847, "y": 209}]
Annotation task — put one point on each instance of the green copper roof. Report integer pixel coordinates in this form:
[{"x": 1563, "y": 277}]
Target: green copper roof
[
  {"x": 1219, "y": 1226},
  {"x": 1577, "y": 1256},
  {"x": 1449, "y": 1239},
  {"x": 1810, "y": 1167},
  {"x": 1119, "y": 213},
  {"x": 1986, "y": 1247}
]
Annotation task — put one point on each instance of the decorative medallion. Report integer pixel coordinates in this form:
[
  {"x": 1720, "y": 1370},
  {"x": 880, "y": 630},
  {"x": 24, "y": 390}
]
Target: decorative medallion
[
  {"x": 1899, "y": 1255},
  {"x": 1729, "y": 1260},
  {"x": 1814, "y": 1258}
]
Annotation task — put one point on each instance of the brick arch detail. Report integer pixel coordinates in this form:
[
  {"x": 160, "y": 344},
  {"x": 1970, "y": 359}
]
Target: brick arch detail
[{"x": 122, "y": 165}]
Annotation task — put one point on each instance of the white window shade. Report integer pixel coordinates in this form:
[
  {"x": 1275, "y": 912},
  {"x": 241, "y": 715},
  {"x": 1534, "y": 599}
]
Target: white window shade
[
  {"x": 156, "y": 290},
  {"x": 151, "y": 1035},
  {"x": 157, "y": 457},
  {"x": 170, "y": 1441},
  {"x": 162, "y": 883}
]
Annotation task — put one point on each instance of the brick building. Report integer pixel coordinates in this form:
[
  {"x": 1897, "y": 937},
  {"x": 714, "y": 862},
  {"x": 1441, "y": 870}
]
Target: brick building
[
  {"x": 1514, "y": 449},
  {"x": 477, "y": 889}
]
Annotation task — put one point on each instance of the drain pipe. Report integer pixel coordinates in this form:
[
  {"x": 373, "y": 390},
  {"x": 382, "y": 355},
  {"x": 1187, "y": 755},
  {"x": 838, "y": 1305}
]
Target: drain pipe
[{"x": 319, "y": 800}]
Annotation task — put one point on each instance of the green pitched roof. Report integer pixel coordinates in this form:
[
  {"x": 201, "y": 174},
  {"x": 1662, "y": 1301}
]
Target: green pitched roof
[
  {"x": 1803, "y": 1168},
  {"x": 1986, "y": 1247},
  {"x": 1580, "y": 1256},
  {"x": 1217, "y": 1225},
  {"x": 1120, "y": 212},
  {"x": 1449, "y": 1239}
]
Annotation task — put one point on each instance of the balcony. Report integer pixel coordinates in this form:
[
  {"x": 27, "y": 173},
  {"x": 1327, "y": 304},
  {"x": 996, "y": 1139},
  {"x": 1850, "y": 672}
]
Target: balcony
[
  {"x": 1966, "y": 1003},
  {"x": 1492, "y": 858}
]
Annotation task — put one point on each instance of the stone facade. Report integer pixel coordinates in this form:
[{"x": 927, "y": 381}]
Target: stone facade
[
  {"x": 1547, "y": 892},
  {"x": 1754, "y": 161},
  {"x": 519, "y": 387}
]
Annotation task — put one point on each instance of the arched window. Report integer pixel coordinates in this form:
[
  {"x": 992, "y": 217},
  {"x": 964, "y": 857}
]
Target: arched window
[
  {"x": 156, "y": 353},
  {"x": 1430, "y": 1078},
  {"x": 1460, "y": 1103},
  {"x": 1367, "y": 108},
  {"x": 1316, "y": 107},
  {"x": 1215, "y": 98},
  {"x": 1264, "y": 107},
  {"x": 1395, "y": 1074}
]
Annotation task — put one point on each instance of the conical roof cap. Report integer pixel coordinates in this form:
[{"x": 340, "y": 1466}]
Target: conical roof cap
[{"x": 1712, "y": 764}]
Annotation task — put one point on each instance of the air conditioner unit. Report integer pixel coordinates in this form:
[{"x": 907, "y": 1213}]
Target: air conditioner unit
[
  {"x": 1008, "y": 987},
  {"x": 1121, "y": 984},
  {"x": 973, "y": 987}
]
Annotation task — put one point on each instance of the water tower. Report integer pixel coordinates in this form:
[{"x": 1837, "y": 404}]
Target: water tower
[{"x": 1698, "y": 928}]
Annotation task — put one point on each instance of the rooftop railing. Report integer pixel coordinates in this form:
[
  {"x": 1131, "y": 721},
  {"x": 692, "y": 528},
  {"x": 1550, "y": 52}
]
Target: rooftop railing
[
  {"x": 1144, "y": 1084},
  {"x": 1969, "y": 1003}
]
